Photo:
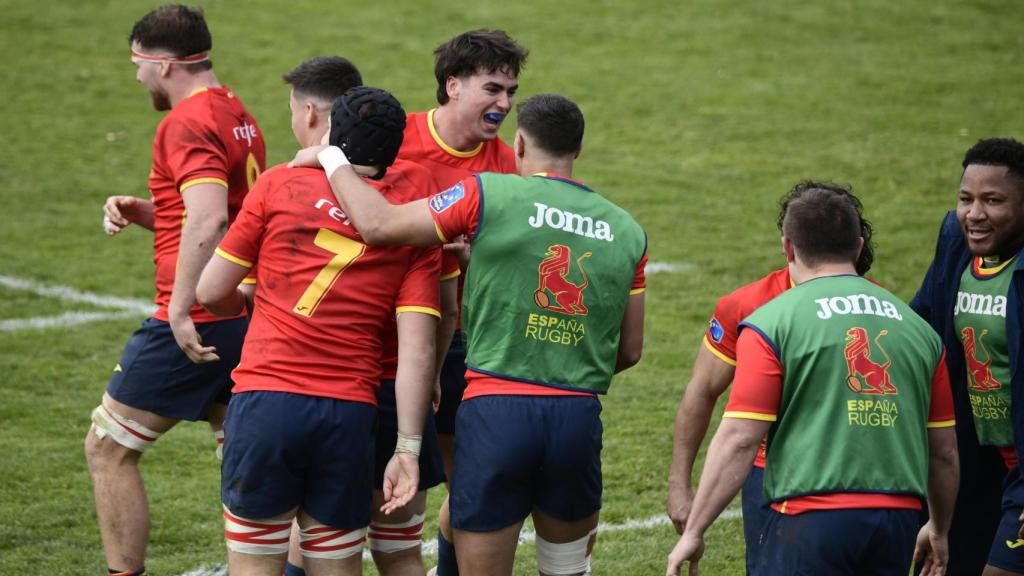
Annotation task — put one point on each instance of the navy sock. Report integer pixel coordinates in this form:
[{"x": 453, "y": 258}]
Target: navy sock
[
  {"x": 293, "y": 570},
  {"x": 446, "y": 563}
]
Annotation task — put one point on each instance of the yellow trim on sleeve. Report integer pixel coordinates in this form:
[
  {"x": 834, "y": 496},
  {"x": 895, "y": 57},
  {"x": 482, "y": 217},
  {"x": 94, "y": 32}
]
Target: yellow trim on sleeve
[
  {"x": 197, "y": 181},
  {"x": 445, "y": 147},
  {"x": 440, "y": 234},
  {"x": 248, "y": 280},
  {"x": 451, "y": 276},
  {"x": 231, "y": 258},
  {"x": 718, "y": 352},
  {"x": 420, "y": 309},
  {"x": 751, "y": 416},
  {"x": 637, "y": 291},
  {"x": 942, "y": 424}
]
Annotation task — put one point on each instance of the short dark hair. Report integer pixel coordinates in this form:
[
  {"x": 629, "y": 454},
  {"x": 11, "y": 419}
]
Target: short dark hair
[
  {"x": 554, "y": 123},
  {"x": 476, "y": 51},
  {"x": 998, "y": 152},
  {"x": 823, "y": 221},
  {"x": 325, "y": 78},
  {"x": 181, "y": 30}
]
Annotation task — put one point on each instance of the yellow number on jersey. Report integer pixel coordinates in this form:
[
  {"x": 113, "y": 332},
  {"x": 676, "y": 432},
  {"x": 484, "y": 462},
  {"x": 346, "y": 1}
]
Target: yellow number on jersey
[
  {"x": 252, "y": 171},
  {"x": 345, "y": 252}
]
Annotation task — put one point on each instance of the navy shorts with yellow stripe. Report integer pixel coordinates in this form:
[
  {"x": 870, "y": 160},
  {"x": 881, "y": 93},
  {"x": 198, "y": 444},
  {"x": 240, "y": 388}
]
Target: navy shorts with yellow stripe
[
  {"x": 514, "y": 453},
  {"x": 283, "y": 451},
  {"x": 453, "y": 385},
  {"x": 431, "y": 465},
  {"x": 849, "y": 542},
  {"x": 1007, "y": 550},
  {"x": 156, "y": 376}
]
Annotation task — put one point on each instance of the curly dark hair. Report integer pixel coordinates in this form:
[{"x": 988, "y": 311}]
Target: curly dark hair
[
  {"x": 998, "y": 152},
  {"x": 845, "y": 193}
]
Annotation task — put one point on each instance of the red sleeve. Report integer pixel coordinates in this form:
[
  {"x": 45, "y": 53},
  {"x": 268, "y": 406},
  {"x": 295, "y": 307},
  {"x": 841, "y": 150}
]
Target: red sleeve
[
  {"x": 195, "y": 154},
  {"x": 419, "y": 291},
  {"x": 757, "y": 386},
  {"x": 639, "y": 279},
  {"x": 941, "y": 415},
  {"x": 722, "y": 329},
  {"x": 449, "y": 266},
  {"x": 241, "y": 244},
  {"x": 456, "y": 210}
]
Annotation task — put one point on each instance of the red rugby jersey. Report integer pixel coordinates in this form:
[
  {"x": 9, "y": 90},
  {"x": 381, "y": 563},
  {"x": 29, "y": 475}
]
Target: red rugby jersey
[
  {"x": 323, "y": 297},
  {"x": 757, "y": 389},
  {"x": 423, "y": 145},
  {"x": 462, "y": 218},
  {"x": 206, "y": 138}
]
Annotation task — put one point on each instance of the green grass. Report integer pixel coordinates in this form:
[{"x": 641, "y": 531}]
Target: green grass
[{"x": 699, "y": 116}]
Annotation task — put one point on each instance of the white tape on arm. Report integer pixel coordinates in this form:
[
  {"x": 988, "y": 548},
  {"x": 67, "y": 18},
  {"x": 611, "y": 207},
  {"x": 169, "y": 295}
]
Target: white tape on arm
[
  {"x": 332, "y": 158},
  {"x": 408, "y": 444}
]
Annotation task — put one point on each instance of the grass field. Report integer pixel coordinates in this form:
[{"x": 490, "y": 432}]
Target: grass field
[{"x": 699, "y": 116}]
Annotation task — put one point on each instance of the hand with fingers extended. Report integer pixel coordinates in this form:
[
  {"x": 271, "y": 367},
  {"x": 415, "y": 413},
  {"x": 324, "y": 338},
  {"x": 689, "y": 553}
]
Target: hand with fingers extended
[
  {"x": 120, "y": 211},
  {"x": 190, "y": 342},
  {"x": 690, "y": 548},
  {"x": 401, "y": 481},
  {"x": 933, "y": 550}
]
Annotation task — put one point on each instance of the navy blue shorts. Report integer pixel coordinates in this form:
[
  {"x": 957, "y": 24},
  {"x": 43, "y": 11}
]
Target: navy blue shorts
[
  {"x": 755, "y": 514},
  {"x": 156, "y": 376},
  {"x": 1007, "y": 550},
  {"x": 453, "y": 385},
  {"x": 284, "y": 450},
  {"x": 431, "y": 466},
  {"x": 853, "y": 542},
  {"x": 513, "y": 453}
]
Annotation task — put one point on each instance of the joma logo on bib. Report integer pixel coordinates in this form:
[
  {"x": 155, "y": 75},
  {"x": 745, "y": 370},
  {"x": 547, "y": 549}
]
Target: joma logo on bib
[
  {"x": 856, "y": 304},
  {"x": 981, "y": 304},
  {"x": 568, "y": 222}
]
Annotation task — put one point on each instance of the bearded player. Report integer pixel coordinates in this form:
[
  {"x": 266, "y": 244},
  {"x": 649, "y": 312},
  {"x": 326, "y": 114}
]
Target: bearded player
[{"x": 207, "y": 154}]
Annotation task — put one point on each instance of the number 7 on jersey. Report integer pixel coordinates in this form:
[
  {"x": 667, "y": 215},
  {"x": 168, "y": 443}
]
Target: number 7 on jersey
[{"x": 345, "y": 251}]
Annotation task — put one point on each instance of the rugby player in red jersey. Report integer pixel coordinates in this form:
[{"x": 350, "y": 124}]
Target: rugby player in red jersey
[
  {"x": 300, "y": 431},
  {"x": 713, "y": 372},
  {"x": 477, "y": 76},
  {"x": 207, "y": 154}
]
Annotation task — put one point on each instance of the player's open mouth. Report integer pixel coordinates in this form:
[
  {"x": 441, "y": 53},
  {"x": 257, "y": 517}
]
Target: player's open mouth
[
  {"x": 975, "y": 234},
  {"x": 493, "y": 119}
]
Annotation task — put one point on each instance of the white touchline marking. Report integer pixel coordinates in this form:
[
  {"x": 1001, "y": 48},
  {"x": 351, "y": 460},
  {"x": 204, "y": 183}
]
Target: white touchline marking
[
  {"x": 121, "y": 307},
  {"x": 656, "y": 267},
  {"x": 72, "y": 295},
  {"x": 525, "y": 537},
  {"x": 65, "y": 319}
]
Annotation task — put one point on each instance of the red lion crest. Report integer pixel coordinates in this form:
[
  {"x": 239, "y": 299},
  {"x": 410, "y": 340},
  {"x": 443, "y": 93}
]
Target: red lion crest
[
  {"x": 981, "y": 379},
  {"x": 864, "y": 375},
  {"x": 554, "y": 271}
]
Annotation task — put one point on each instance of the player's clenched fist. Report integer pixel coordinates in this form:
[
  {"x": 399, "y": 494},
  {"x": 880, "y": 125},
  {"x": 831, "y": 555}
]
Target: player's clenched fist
[{"x": 119, "y": 212}]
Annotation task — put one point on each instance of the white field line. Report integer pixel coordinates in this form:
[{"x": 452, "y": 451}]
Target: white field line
[
  {"x": 656, "y": 267},
  {"x": 69, "y": 294},
  {"x": 120, "y": 307},
  {"x": 525, "y": 537}
]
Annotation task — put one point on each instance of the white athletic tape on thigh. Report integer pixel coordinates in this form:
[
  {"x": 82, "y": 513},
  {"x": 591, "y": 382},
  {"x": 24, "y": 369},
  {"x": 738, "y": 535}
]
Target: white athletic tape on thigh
[
  {"x": 126, "y": 432},
  {"x": 219, "y": 437},
  {"x": 389, "y": 538},
  {"x": 260, "y": 537},
  {"x": 566, "y": 558},
  {"x": 319, "y": 541}
]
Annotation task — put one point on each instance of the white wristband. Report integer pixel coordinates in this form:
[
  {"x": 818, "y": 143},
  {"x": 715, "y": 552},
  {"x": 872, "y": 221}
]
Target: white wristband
[
  {"x": 332, "y": 158},
  {"x": 407, "y": 444}
]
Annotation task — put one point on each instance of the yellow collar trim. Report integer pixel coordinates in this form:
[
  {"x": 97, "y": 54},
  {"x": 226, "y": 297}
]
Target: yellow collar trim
[
  {"x": 196, "y": 91},
  {"x": 446, "y": 147}
]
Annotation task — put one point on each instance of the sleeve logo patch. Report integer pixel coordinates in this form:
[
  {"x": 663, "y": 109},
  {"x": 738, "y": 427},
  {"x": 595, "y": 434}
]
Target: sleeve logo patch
[
  {"x": 444, "y": 200},
  {"x": 716, "y": 331}
]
